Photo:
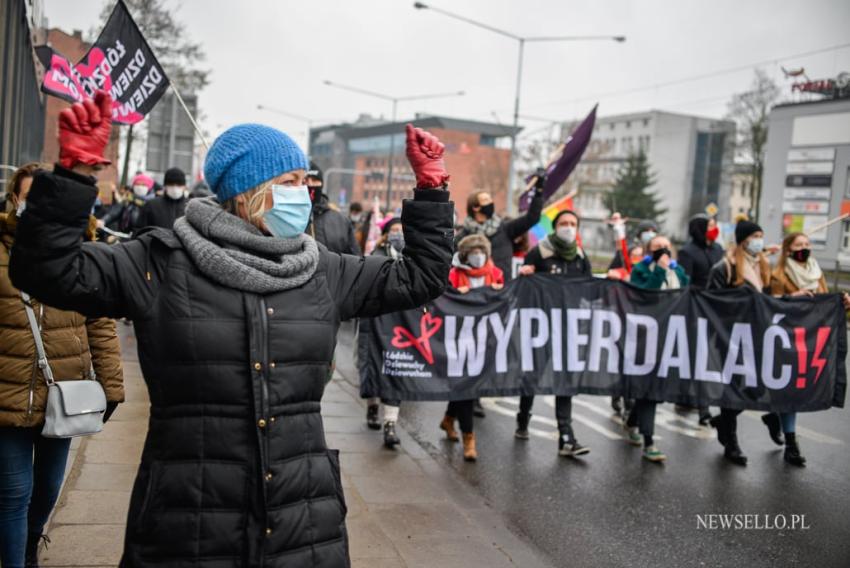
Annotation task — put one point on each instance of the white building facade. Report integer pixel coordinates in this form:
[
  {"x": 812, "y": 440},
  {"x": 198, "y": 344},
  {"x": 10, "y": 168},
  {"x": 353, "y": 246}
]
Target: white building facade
[{"x": 690, "y": 158}]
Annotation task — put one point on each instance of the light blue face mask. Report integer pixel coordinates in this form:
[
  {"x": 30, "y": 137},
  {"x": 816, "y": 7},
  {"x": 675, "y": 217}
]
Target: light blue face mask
[{"x": 290, "y": 214}]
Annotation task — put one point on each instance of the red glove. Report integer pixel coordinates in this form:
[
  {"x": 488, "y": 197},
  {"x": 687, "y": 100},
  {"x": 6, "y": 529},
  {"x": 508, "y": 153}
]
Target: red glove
[
  {"x": 84, "y": 131},
  {"x": 425, "y": 154}
]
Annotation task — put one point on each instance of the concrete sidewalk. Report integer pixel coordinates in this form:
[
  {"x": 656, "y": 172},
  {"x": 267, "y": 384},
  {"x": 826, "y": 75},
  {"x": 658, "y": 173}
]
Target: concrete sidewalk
[{"x": 404, "y": 509}]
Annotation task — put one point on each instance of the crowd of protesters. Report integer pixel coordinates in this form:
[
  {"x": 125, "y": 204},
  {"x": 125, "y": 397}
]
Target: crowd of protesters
[{"x": 249, "y": 281}]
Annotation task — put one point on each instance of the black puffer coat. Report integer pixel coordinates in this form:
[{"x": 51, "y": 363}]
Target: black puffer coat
[
  {"x": 162, "y": 212},
  {"x": 698, "y": 256},
  {"x": 332, "y": 229},
  {"x": 235, "y": 471}
]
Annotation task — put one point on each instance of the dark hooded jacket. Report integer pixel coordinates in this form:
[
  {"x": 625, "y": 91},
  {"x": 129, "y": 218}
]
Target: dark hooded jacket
[
  {"x": 698, "y": 256},
  {"x": 332, "y": 229},
  {"x": 161, "y": 212},
  {"x": 235, "y": 470}
]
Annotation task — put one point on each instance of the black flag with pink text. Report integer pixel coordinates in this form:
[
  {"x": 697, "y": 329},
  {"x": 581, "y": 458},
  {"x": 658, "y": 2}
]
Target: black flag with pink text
[{"x": 120, "y": 62}]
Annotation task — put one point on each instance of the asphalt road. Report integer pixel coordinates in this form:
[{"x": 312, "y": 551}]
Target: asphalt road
[{"x": 612, "y": 508}]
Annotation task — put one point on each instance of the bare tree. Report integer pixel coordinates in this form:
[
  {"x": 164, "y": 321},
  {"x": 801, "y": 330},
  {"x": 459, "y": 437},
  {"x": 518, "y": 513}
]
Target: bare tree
[
  {"x": 180, "y": 57},
  {"x": 749, "y": 110}
]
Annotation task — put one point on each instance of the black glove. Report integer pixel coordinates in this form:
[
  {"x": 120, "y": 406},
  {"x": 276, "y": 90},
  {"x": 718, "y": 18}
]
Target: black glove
[
  {"x": 110, "y": 408},
  {"x": 540, "y": 181}
]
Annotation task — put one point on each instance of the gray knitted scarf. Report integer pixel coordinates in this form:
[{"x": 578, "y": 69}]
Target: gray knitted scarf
[
  {"x": 235, "y": 253},
  {"x": 488, "y": 228}
]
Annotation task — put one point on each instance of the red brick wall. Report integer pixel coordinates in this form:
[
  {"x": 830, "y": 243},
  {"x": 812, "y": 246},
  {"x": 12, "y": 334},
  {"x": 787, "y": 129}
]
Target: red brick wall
[
  {"x": 74, "y": 48},
  {"x": 472, "y": 168}
]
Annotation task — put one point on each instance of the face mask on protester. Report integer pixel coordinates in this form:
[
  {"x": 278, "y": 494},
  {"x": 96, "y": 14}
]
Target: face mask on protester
[
  {"x": 712, "y": 234},
  {"x": 476, "y": 259},
  {"x": 140, "y": 190},
  {"x": 801, "y": 255},
  {"x": 656, "y": 255},
  {"x": 175, "y": 191},
  {"x": 396, "y": 240},
  {"x": 290, "y": 212},
  {"x": 566, "y": 234},
  {"x": 488, "y": 210},
  {"x": 22, "y": 206},
  {"x": 647, "y": 236},
  {"x": 755, "y": 246}
]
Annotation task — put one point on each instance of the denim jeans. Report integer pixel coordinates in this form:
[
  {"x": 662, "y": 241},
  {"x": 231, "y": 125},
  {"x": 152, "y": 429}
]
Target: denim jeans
[
  {"x": 31, "y": 472},
  {"x": 788, "y": 421}
]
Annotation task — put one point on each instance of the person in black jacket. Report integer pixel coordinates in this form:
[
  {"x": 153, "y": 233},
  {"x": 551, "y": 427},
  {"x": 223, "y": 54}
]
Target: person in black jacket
[
  {"x": 162, "y": 211},
  {"x": 235, "y": 313},
  {"x": 481, "y": 219},
  {"x": 327, "y": 226},
  {"x": 702, "y": 251},
  {"x": 744, "y": 265},
  {"x": 697, "y": 257},
  {"x": 559, "y": 253},
  {"x": 389, "y": 246}
]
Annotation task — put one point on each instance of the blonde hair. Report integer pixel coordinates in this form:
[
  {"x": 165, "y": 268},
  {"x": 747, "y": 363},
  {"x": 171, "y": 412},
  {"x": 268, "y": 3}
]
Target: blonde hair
[
  {"x": 737, "y": 254},
  {"x": 254, "y": 202}
]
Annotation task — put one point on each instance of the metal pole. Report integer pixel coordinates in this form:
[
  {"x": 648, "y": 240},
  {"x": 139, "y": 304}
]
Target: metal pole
[
  {"x": 392, "y": 152},
  {"x": 511, "y": 168},
  {"x": 172, "y": 136},
  {"x": 125, "y": 170},
  {"x": 191, "y": 118}
]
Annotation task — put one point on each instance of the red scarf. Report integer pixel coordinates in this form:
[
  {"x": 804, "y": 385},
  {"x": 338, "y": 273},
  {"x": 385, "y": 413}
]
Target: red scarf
[{"x": 487, "y": 271}]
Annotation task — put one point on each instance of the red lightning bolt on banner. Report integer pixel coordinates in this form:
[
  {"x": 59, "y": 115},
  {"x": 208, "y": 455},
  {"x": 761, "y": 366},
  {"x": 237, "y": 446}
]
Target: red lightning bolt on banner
[{"x": 819, "y": 362}]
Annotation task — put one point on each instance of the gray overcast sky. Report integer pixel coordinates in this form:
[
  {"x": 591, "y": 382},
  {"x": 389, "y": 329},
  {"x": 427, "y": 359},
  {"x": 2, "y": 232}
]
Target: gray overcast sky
[{"x": 277, "y": 53}]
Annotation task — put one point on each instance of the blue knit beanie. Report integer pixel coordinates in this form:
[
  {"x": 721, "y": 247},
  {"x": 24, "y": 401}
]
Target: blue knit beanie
[{"x": 246, "y": 155}]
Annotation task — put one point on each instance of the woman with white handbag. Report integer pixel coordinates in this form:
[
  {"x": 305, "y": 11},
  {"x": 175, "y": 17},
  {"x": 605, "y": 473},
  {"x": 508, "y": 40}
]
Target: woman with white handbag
[{"x": 66, "y": 351}]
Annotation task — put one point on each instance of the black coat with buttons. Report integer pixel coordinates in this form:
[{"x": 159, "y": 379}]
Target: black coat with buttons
[{"x": 235, "y": 470}]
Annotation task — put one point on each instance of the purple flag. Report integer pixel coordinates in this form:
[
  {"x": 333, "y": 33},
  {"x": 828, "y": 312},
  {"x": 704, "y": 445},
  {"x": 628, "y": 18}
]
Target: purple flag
[{"x": 559, "y": 170}]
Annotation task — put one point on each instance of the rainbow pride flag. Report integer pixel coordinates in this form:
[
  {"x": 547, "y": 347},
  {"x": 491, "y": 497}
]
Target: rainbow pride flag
[{"x": 544, "y": 226}]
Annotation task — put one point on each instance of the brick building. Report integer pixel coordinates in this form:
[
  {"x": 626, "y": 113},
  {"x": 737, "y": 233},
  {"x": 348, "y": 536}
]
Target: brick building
[
  {"x": 74, "y": 48},
  {"x": 355, "y": 158}
]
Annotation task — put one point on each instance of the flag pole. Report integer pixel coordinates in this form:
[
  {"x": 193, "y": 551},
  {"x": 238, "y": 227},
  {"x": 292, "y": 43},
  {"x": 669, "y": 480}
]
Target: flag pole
[
  {"x": 189, "y": 114},
  {"x": 829, "y": 223}
]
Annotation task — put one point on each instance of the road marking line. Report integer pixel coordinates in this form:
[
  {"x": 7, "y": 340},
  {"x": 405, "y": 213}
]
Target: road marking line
[{"x": 802, "y": 431}]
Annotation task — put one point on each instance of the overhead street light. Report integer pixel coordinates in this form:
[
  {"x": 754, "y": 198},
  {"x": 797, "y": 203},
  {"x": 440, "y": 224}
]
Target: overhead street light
[{"x": 521, "y": 40}]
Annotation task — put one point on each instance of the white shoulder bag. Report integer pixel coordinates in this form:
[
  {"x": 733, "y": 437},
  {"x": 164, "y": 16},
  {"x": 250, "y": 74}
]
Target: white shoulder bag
[{"x": 74, "y": 407}]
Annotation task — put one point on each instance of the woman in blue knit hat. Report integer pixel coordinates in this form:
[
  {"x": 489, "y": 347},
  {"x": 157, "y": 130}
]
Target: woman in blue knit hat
[{"x": 236, "y": 312}]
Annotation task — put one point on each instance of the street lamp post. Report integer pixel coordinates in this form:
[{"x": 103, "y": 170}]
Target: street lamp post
[
  {"x": 521, "y": 41},
  {"x": 395, "y": 101}
]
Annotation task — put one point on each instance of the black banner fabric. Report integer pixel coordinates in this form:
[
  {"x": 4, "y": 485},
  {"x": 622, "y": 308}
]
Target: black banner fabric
[
  {"x": 546, "y": 334},
  {"x": 120, "y": 62}
]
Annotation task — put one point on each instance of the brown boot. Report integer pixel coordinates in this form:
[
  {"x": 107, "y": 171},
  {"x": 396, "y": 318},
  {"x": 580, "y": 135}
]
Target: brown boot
[
  {"x": 469, "y": 453},
  {"x": 448, "y": 426}
]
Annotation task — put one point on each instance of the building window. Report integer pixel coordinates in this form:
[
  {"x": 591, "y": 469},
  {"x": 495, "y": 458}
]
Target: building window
[
  {"x": 612, "y": 126},
  {"x": 628, "y": 124},
  {"x": 845, "y": 236},
  {"x": 646, "y": 122}
]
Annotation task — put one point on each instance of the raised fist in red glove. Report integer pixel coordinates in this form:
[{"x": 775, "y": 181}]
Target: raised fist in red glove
[
  {"x": 84, "y": 131},
  {"x": 425, "y": 154}
]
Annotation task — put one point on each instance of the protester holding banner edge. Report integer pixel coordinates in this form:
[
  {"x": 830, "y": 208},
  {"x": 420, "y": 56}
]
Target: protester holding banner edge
[
  {"x": 797, "y": 274},
  {"x": 745, "y": 264},
  {"x": 472, "y": 267},
  {"x": 239, "y": 432},
  {"x": 657, "y": 271},
  {"x": 390, "y": 245},
  {"x": 558, "y": 253}
]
